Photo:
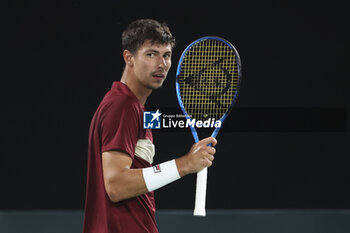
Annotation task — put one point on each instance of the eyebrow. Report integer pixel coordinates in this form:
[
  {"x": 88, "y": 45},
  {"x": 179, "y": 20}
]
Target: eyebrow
[
  {"x": 152, "y": 50},
  {"x": 156, "y": 51}
]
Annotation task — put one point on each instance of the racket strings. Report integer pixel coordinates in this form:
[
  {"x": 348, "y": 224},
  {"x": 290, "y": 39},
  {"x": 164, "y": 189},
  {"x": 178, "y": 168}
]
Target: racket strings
[{"x": 208, "y": 79}]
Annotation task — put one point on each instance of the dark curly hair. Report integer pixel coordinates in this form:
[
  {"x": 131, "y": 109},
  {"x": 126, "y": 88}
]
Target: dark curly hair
[{"x": 137, "y": 32}]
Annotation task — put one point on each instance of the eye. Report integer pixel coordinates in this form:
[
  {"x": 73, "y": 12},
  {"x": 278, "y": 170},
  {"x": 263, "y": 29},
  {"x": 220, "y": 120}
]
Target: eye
[
  {"x": 151, "y": 54},
  {"x": 168, "y": 55}
]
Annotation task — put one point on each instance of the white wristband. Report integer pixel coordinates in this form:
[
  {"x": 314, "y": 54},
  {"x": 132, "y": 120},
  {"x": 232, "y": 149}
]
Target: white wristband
[{"x": 160, "y": 175}]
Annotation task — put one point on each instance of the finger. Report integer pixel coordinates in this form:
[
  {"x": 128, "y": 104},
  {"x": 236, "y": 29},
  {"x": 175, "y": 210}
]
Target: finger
[
  {"x": 210, "y": 157},
  {"x": 207, "y": 157},
  {"x": 208, "y": 152},
  {"x": 208, "y": 140},
  {"x": 208, "y": 162},
  {"x": 211, "y": 150}
]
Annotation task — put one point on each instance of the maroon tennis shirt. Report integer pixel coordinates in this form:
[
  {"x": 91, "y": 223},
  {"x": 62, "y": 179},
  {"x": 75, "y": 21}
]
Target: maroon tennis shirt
[{"x": 117, "y": 125}]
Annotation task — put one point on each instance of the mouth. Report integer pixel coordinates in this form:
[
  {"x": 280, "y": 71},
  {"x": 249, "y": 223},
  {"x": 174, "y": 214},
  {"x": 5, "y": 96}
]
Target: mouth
[{"x": 159, "y": 75}]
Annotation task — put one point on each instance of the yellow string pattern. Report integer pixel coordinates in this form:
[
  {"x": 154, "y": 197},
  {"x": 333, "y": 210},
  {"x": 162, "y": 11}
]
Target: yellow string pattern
[{"x": 208, "y": 79}]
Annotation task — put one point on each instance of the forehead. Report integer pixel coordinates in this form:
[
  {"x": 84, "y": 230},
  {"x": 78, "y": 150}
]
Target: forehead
[{"x": 150, "y": 45}]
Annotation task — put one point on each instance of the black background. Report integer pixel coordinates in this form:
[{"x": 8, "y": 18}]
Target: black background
[{"x": 60, "y": 57}]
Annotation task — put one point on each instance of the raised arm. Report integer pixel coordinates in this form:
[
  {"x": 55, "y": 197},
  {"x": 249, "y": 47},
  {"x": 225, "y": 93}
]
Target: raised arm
[{"x": 122, "y": 182}]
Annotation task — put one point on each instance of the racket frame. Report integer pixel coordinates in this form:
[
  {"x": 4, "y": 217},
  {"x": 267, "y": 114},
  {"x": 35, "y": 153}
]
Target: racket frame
[{"x": 199, "y": 209}]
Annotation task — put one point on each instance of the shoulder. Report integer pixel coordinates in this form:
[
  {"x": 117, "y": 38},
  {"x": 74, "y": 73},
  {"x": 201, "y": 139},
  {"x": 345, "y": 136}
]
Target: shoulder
[{"x": 114, "y": 104}]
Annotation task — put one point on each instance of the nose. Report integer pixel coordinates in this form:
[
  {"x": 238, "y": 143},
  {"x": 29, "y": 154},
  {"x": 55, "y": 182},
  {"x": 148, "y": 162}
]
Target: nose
[{"x": 162, "y": 63}]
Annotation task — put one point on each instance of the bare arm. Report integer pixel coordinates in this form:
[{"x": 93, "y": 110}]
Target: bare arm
[{"x": 122, "y": 182}]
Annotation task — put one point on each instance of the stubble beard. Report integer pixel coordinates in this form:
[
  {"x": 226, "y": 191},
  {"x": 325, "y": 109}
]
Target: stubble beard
[{"x": 155, "y": 86}]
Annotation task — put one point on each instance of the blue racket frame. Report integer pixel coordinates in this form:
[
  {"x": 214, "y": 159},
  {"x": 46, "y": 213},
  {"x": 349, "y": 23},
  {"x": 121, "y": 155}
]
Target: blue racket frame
[{"x": 217, "y": 129}]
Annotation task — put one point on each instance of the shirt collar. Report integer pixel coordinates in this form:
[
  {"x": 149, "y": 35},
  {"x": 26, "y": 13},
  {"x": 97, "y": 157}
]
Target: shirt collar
[{"x": 123, "y": 88}]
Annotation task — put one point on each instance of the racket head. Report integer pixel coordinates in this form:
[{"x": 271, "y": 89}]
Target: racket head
[{"x": 208, "y": 78}]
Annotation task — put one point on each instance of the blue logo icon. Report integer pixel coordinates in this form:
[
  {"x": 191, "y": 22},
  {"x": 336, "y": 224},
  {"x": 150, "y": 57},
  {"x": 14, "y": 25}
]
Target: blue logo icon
[{"x": 151, "y": 120}]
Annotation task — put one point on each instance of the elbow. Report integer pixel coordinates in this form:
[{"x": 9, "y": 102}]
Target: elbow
[
  {"x": 113, "y": 194},
  {"x": 113, "y": 197}
]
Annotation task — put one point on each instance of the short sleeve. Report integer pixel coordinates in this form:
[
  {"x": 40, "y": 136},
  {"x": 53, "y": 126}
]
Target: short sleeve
[{"x": 120, "y": 127}]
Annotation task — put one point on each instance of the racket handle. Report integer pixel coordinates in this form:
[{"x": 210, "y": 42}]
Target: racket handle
[{"x": 201, "y": 190}]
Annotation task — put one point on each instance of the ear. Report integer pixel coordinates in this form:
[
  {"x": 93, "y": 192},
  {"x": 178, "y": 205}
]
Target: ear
[{"x": 128, "y": 58}]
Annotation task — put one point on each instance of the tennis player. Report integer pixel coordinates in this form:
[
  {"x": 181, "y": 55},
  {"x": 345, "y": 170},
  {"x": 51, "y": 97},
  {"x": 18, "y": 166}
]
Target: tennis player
[{"x": 121, "y": 178}]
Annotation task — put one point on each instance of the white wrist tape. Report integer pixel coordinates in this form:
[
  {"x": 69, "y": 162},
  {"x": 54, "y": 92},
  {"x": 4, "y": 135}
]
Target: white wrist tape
[{"x": 160, "y": 175}]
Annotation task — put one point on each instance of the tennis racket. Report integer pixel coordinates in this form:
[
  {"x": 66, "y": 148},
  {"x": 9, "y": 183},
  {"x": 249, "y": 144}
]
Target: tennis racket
[{"x": 207, "y": 81}]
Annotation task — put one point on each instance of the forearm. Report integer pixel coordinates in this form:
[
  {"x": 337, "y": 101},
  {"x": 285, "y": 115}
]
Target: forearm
[
  {"x": 128, "y": 183},
  {"x": 122, "y": 182}
]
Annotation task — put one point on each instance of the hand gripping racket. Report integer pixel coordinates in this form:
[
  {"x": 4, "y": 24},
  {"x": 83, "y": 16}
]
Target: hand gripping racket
[{"x": 207, "y": 81}]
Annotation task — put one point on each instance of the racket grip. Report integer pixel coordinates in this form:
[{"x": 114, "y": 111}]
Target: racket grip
[{"x": 201, "y": 190}]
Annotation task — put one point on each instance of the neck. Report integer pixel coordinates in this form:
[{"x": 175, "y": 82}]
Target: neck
[{"x": 139, "y": 90}]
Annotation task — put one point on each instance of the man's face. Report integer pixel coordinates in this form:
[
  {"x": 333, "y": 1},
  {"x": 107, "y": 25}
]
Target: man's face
[{"x": 152, "y": 63}]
